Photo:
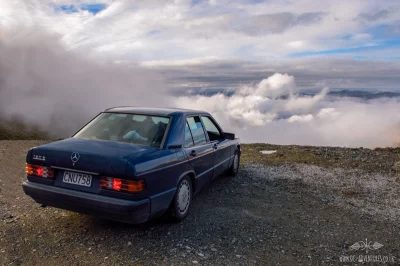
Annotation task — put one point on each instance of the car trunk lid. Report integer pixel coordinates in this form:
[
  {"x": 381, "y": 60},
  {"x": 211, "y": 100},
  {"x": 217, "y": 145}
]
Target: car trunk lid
[{"x": 92, "y": 157}]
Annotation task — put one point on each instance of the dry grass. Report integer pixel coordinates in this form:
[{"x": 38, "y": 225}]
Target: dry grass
[
  {"x": 381, "y": 160},
  {"x": 15, "y": 129}
]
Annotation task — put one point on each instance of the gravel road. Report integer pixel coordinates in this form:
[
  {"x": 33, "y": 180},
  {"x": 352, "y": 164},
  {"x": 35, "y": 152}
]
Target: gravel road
[{"x": 289, "y": 214}]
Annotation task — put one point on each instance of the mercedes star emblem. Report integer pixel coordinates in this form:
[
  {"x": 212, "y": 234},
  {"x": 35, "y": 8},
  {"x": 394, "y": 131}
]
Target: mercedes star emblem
[{"x": 75, "y": 158}]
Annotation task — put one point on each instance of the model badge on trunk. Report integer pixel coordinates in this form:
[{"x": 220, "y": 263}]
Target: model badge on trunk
[{"x": 39, "y": 157}]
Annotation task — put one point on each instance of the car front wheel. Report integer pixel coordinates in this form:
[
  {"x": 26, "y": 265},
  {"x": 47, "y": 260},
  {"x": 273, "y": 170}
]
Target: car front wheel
[{"x": 234, "y": 169}]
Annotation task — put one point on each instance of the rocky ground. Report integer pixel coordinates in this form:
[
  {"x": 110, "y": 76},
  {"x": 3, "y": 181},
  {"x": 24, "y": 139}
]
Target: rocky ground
[{"x": 298, "y": 206}]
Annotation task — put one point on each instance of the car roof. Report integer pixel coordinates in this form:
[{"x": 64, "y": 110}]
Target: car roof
[{"x": 152, "y": 110}]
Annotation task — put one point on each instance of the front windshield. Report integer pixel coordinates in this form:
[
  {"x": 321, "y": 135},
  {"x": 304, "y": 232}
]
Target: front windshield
[{"x": 146, "y": 130}]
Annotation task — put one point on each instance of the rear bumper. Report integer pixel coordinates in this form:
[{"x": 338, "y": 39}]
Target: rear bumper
[{"x": 102, "y": 206}]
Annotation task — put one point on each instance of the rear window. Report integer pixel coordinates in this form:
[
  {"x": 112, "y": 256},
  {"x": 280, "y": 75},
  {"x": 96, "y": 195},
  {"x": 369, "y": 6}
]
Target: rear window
[{"x": 146, "y": 130}]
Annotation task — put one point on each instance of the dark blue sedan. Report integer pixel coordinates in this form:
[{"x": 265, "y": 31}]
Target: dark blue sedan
[{"x": 132, "y": 164}]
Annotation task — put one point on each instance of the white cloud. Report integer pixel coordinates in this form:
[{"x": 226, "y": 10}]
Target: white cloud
[
  {"x": 179, "y": 63},
  {"x": 328, "y": 112},
  {"x": 304, "y": 103},
  {"x": 178, "y": 30},
  {"x": 258, "y": 117},
  {"x": 300, "y": 118},
  {"x": 296, "y": 44},
  {"x": 272, "y": 87}
]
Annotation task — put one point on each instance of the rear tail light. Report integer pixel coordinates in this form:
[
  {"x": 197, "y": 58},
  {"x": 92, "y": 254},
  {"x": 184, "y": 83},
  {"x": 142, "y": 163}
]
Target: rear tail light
[
  {"x": 122, "y": 185},
  {"x": 40, "y": 171}
]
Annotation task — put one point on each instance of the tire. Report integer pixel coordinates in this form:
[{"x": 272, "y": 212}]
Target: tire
[
  {"x": 182, "y": 200},
  {"x": 234, "y": 169}
]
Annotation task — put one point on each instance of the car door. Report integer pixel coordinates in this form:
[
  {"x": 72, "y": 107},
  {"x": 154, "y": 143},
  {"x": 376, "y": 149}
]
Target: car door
[
  {"x": 200, "y": 152},
  {"x": 222, "y": 152}
]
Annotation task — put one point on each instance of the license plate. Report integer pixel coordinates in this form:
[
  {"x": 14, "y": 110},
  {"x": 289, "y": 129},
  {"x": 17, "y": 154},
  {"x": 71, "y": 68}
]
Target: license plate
[{"x": 77, "y": 179}]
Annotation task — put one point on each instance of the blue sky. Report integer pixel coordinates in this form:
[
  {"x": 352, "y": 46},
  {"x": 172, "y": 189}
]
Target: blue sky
[
  {"x": 91, "y": 8},
  {"x": 381, "y": 45},
  {"x": 380, "y": 38}
]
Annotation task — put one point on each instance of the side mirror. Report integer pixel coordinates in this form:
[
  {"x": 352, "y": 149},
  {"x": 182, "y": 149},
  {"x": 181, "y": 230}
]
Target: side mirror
[{"x": 229, "y": 135}]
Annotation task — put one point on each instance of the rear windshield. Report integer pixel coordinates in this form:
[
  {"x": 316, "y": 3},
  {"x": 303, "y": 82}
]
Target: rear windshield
[{"x": 146, "y": 130}]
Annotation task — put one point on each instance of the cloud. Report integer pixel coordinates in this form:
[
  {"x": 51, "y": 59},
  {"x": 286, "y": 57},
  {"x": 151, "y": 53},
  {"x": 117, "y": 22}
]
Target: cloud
[
  {"x": 394, "y": 29},
  {"x": 310, "y": 73},
  {"x": 300, "y": 118},
  {"x": 189, "y": 31},
  {"x": 121, "y": 30},
  {"x": 274, "y": 23},
  {"x": 59, "y": 90},
  {"x": 296, "y": 44},
  {"x": 259, "y": 104},
  {"x": 273, "y": 87},
  {"x": 374, "y": 15},
  {"x": 304, "y": 103},
  {"x": 257, "y": 114}
]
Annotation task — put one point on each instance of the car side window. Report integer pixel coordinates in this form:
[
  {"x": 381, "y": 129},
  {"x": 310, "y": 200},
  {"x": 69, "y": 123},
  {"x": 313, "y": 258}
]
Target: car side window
[
  {"x": 211, "y": 128},
  {"x": 188, "y": 137},
  {"x": 197, "y": 130}
]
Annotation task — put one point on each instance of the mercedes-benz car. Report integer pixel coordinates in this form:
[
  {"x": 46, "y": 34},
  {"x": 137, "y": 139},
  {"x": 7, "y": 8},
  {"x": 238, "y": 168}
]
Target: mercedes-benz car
[{"x": 132, "y": 164}]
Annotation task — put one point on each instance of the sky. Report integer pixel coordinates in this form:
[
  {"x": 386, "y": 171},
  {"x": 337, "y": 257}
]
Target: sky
[
  {"x": 62, "y": 62},
  {"x": 344, "y": 44}
]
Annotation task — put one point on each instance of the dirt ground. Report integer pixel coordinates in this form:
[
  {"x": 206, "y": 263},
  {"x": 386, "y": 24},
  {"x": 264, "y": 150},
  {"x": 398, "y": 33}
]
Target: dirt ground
[{"x": 298, "y": 206}]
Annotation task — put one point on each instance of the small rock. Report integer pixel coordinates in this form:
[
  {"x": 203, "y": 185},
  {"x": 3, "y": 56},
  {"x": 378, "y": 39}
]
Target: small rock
[
  {"x": 214, "y": 249},
  {"x": 396, "y": 166},
  {"x": 129, "y": 243},
  {"x": 200, "y": 254},
  {"x": 195, "y": 261},
  {"x": 268, "y": 152},
  {"x": 238, "y": 256}
]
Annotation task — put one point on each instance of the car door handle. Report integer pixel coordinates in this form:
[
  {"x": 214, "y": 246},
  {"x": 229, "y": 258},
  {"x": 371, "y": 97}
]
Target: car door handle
[
  {"x": 193, "y": 153},
  {"x": 215, "y": 146}
]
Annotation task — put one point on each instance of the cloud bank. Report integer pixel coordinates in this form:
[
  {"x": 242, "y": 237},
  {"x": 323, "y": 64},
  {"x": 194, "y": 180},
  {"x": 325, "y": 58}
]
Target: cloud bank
[
  {"x": 44, "y": 84},
  {"x": 58, "y": 90},
  {"x": 272, "y": 112}
]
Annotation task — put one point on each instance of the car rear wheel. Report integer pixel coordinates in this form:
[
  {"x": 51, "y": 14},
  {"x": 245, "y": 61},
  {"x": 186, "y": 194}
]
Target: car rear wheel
[
  {"x": 234, "y": 169},
  {"x": 182, "y": 200}
]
